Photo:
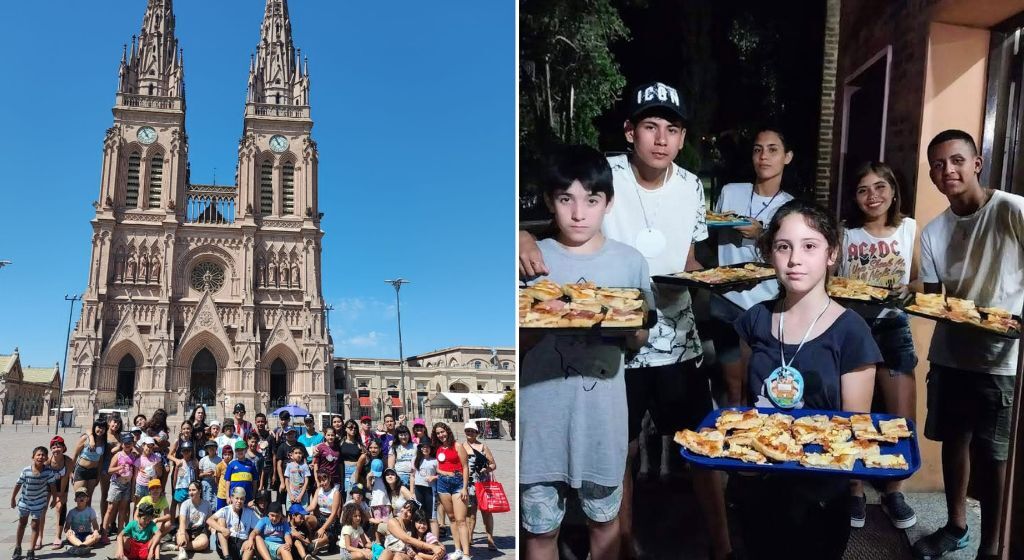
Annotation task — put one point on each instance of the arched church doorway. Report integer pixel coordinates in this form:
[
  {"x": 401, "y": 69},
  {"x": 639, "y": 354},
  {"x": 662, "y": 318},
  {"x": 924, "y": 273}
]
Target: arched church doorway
[
  {"x": 203, "y": 381},
  {"x": 278, "y": 384},
  {"x": 125, "y": 380}
]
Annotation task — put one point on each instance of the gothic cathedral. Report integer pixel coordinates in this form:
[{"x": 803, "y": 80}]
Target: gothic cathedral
[{"x": 204, "y": 294}]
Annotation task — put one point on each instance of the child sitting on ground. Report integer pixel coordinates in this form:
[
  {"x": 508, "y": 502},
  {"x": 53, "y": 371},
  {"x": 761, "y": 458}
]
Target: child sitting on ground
[{"x": 83, "y": 530}]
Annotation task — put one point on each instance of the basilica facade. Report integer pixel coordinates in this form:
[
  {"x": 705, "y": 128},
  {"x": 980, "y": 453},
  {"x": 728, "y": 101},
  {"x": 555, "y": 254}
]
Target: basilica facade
[{"x": 204, "y": 294}]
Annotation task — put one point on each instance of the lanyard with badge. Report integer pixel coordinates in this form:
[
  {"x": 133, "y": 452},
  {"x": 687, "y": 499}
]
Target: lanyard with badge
[
  {"x": 650, "y": 241},
  {"x": 785, "y": 385}
]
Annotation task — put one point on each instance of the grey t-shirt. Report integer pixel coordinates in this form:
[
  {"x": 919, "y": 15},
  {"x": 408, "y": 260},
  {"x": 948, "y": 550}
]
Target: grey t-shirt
[
  {"x": 195, "y": 515},
  {"x": 572, "y": 404}
]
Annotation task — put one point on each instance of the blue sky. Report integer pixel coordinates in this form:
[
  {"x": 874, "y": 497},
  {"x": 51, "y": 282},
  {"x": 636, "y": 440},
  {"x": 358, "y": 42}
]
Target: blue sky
[{"x": 414, "y": 111}]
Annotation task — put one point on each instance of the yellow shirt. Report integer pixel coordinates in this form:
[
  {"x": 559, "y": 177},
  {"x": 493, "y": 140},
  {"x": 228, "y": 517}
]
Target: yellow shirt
[{"x": 222, "y": 485}]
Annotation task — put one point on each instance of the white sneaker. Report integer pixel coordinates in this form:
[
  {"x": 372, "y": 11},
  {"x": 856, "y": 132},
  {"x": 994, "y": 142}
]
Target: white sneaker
[
  {"x": 457, "y": 555},
  {"x": 182, "y": 555}
]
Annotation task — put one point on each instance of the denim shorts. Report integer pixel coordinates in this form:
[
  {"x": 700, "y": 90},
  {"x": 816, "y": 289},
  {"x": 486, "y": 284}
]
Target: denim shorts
[
  {"x": 141, "y": 491},
  {"x": 31, "y": 514},
  {"x": 542, "y": 506},
  {"x": 449, "y": 484},
  {"x": 895, "y": 342}
]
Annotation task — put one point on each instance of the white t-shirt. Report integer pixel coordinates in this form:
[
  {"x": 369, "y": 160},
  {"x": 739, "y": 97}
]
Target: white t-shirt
[
  {"x": 878, "y": 261},
  {"x": 676, "y": 210},
  {"x": 239, "y": 525},
  {"x": 978, "y": 257},
  {"x": 733, "y": 248}
]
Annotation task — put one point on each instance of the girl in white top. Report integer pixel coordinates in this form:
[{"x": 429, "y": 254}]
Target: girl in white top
[
  {"x": 424, "y": 475},
  {"x": 757, "y": 201},
  {"x": 878, "y": 248},
  {"x": 354, "y": 541}
]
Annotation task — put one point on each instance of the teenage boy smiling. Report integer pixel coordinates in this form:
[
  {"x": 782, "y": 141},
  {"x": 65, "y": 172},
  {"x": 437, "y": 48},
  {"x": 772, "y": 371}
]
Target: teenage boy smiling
[
  {"x": 659, "y": 210},
  {"x": 973, "y": 250}
]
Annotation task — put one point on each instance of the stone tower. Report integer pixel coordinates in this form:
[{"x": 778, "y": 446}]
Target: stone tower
[{"x": 204, "y": 294}]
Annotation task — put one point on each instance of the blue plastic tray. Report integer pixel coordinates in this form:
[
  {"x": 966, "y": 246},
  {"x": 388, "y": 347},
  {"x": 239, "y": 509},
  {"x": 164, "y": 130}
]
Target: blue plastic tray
[
  {"x": 733, "y": 223},
  {"x": 906, "y": 446}
]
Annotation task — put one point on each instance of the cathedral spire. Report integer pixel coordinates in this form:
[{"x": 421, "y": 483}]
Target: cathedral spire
[
  {"x": 274, "y": 73},
  {"x": 154, "y": 67}
]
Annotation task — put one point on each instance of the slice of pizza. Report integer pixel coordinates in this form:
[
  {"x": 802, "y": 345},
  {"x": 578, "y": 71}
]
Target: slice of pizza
[
  {"x": 544, "y": 290},
  {"x": 859, "y": 448},
  {"x": 779, "y": 420},
  {"x": 619, "y": 303},
  {"x": 810, "y": 429},
  {"x": 580, "y": 291},
  {"x": 580, "y": 318},
  {"x": 777, "y": 444},
  {"x": 886, "y": 462},
  {"x": 624, "y": 293},
  {"x": 709, "y": 444},
  {"x": 622, "y": 318},
  {"x": 896, "y": 427},
  {"x": 862, "y": 422},
  {"x": 744, "y": 453},
  {"x": 827, "y": 461},
  {"x": 838, "y": 430},
  {"x": 995, "y": 311},
  {"x": 932, "y": 304},
  {"x": 593, "y": 306},
  {"x": 542, "y": 318},
  {"x": 739, "y": 420},
  {"x": 743, "y": 438}
]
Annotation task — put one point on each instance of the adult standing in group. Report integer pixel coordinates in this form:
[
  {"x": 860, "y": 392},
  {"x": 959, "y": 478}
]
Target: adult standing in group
[
  {"x": 350, "y": 449},
  {"x": 659, "y": 210},
  {"x": 387, "y": 435},
  {"x": 481, "y": 465},
  {"x": 974, "y": 250},
  {"x": 283, "y": 456},
  {"x": 60, "y": 464},
  {"x": 115, "y": 427},
  {"x": 452, "y": 483},
  {"x": 88, "y": 456},
  {"x": 403, "y": 453},
  {"x": 265, "y": 448},
  {"x": 366, "y": 432},
  {"x": 757, "y": 201},
  {"x": 310, "y": 438},
  {"x": 200, "y": 429},
  {"x": 242, "y": 426},
  {"x": 338, "y": 423},
  {"x": 139, "y": 421}
]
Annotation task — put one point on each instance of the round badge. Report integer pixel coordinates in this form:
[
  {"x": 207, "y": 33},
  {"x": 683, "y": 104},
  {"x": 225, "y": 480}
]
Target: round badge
[
  {"x": 330, "y": 458},
  {"x": 650, "y": 242},
  {"x": 441, "y": 456},
  {"x": 785, "y": 387}
]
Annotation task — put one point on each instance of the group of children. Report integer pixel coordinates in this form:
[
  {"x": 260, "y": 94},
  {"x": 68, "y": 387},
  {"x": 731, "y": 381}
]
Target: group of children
[
  {"x": 619, "y": 220},
  {"x": 261, "y": 493}
]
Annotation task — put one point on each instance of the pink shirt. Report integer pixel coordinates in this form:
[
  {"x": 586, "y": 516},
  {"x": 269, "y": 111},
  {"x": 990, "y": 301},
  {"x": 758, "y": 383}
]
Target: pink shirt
[
  {"x": 147, "y": 468},
  {"x": 126, "y": 467}
]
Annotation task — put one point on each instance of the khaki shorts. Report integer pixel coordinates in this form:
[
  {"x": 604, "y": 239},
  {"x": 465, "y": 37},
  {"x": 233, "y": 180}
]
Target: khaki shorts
[{"x": 542, "y": 505}]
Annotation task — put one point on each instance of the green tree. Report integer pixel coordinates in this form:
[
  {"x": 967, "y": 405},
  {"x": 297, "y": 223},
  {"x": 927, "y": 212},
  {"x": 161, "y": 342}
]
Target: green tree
[
  {"x": 505, "y": 409},
  {"x": 568, "y": 76}
]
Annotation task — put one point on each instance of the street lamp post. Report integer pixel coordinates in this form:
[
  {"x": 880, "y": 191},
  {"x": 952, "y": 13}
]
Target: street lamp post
[
  {"x": 64, "y": 369},
  {"x": 401, "y": 356}
]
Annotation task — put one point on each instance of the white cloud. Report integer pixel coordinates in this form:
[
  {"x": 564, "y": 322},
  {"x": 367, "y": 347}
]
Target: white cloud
[{"x": 368, "y": 340}]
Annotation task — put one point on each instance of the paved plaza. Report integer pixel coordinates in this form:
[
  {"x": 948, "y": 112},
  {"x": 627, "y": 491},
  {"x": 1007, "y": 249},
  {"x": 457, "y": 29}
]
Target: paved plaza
[{"x": 18, "y": 441}]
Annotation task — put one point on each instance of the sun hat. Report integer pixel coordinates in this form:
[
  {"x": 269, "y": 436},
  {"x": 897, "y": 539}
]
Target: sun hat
[{"x": 471, "y": 426}]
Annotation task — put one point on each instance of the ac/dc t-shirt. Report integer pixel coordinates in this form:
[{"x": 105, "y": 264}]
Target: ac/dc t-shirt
[{"x": 845, "y": 346}]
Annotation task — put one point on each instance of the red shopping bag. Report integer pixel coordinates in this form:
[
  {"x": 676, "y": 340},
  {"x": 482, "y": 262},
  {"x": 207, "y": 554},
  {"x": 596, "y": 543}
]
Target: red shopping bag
[{"x": 491, "y": 498}]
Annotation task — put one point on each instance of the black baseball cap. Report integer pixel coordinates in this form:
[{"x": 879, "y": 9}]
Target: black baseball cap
[
  {"x": 658, "y": 98},
  {"x": 239, "y": 407},
  {"x": 185, "y": 445},
  {"x": 210, "y": 443},
  {"x": 285, "y": 415}
]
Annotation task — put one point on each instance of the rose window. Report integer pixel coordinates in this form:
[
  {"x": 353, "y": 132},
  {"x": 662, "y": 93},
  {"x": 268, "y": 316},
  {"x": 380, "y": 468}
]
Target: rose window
[{"x": 207, "y": 276}]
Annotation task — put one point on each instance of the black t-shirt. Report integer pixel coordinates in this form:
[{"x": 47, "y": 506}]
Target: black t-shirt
[
  {"x": 844, "y": 347},
  {"x": 284, "y": 451},
  {"x": 350, "y": 451}
]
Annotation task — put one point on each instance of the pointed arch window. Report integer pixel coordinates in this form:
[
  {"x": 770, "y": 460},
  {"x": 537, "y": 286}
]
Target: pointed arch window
[
  {"x": 288, "y": 189},
  {"x": 156, "y": 180},
  {"x": 131, "y": 196},
  {"x": 266, "y": 188}
]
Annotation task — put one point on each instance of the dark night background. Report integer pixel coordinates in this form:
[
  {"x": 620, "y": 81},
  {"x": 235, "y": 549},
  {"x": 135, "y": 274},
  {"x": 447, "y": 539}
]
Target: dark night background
[{"x": 737, "y": 65}]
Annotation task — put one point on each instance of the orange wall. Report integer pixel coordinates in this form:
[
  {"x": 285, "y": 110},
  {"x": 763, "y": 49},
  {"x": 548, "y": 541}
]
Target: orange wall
[{"x": 954, "y": 97}]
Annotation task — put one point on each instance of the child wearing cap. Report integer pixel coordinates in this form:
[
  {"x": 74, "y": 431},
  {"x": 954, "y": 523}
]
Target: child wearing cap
[
  {"x": 83, "y": 530},
  {"x": 119, "y": 494},
  {"x": 139, "y": 540},
  {"x": 148, "y": 466},
  {"x": 241, "y": 472},
  {"x": 58, "y": 462},
  {"x": 161, "y": 507},
  {"x": 227, "y": 453},
  {"x": 208, "y": 473},
  {"x": 302, "y": 533},
  {"x": 185, "y": 471},
  {"x": 296, "y": 477}
]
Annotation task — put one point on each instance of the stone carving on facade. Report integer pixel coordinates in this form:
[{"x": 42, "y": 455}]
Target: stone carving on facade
[
  {"x": 182, "y": 397},
  {"x": 137, "y": 397},
  {"x": 277, "y": 270},
  {"x": 92, "y": 403},
  {"x": 205, "y": 319},
  {"x": 264, "y": 398},
  {"x": 47, "y": 399},
  {"x": 136, "y": 265}
]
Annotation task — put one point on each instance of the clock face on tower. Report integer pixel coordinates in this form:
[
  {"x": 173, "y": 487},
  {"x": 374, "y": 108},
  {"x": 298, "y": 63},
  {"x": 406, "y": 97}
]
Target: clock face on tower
[
  {"x": 278, "y": 143},
  {"x": 146, "y": 135}
]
